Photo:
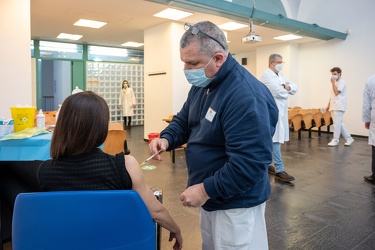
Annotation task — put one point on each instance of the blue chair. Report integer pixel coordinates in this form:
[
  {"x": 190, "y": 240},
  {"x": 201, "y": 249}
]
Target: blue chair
[{"x": 105, "y": 219}]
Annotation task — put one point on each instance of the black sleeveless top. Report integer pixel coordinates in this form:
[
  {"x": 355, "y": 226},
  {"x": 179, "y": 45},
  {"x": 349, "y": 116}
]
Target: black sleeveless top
[{"x": 95, "y": 170}]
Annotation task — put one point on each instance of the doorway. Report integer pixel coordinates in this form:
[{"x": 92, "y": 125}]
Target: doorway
[{"x": 56, "y": 83}]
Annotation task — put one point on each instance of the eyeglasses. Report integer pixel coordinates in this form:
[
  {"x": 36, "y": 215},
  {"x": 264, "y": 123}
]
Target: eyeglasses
[{"x": 195, "y": 31}]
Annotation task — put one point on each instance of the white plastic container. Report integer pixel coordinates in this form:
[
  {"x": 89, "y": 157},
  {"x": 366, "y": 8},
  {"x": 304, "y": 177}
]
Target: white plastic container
[
  {"x": 58, "y": 112},
  {"x": 40, "y": 120}
]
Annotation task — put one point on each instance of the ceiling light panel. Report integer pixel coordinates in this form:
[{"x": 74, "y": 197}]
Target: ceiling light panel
[
  {"x": 132, "y": 44},
  {"x": 287, "y": 37},
  {"x": 69, "y": 36},
  {"x": 173, "y": 14},
  {"x": 89, "y": 23}
]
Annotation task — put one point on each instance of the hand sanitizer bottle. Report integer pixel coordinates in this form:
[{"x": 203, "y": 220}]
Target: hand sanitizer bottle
[{"x": 40, "y": 120}]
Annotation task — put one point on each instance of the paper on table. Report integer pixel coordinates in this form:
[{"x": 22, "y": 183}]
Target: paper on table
[{"x": 26, "y": 133}]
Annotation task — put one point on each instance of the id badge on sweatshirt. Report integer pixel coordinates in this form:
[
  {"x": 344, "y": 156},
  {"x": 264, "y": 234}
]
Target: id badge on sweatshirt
[{"x": 210, "y": 114}]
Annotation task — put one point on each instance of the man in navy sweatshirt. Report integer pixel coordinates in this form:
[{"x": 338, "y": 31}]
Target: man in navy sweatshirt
[{"x": 227, "y": 121}]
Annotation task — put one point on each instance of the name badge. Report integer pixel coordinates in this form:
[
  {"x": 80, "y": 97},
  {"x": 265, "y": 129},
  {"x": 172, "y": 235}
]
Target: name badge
[{"x": 210, "y": 114}]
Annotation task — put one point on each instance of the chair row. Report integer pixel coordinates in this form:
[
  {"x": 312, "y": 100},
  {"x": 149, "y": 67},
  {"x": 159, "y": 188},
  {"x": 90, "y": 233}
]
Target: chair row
[{"x": 307, "y": 119}]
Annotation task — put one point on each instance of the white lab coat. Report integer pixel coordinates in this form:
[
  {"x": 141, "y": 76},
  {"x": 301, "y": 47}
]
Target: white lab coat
[
  {"x": 127, "y": 100},
  {"x": 274, "y": 84},
  {"x": 368, "y": 109}
]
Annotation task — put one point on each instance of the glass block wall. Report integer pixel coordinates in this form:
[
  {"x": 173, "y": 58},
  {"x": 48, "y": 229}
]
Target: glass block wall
[{"x": 105, "y": 79}]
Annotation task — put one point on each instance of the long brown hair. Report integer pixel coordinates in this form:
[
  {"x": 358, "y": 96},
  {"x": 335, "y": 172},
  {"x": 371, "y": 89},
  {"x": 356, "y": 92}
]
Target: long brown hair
[{"x": 82, "y": 125}]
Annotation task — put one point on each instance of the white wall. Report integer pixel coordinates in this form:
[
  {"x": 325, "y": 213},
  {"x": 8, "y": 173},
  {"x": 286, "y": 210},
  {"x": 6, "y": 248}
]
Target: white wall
[
  {"x": 15, "y": 71},
  {"x": 354, "y": 56},
  {"x": 180, "y": 85},
  {"x": 309, "y": 64},
  {"x": 251, "y": 60}
]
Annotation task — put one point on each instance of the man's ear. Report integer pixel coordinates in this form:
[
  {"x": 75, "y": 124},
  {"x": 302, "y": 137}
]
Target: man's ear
[{"x": 219, "y": 59}]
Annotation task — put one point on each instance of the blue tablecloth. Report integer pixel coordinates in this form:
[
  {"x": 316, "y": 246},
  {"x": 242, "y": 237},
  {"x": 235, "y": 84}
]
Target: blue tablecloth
[{"x": 30, "y": 149}]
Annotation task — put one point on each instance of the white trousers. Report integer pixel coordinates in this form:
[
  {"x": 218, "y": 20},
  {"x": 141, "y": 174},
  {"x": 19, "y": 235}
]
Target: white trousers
[
  {"x": 338, "y": 126},
  {"x": 234, "y": 229}
]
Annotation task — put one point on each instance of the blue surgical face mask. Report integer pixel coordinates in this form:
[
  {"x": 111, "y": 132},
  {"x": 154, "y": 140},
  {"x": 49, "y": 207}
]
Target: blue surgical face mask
[
  {"x": 336, "y": 77},
  {"x": 279, "y": 67},
  {"x": 125, "y": 85},
  {"x": 197, "y": 77}
]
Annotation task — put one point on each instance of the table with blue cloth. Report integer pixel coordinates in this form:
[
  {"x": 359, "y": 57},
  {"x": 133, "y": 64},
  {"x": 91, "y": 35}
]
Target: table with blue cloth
[
  {"x": 19, "y": 161},
  {"x": 29, "y": 149}
]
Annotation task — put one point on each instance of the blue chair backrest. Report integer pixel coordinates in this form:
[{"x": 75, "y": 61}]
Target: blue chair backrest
[{"x": 105, "y": 219}]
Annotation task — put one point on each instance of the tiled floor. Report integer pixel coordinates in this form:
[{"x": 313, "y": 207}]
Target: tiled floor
[{"x": 328, "y": 206}]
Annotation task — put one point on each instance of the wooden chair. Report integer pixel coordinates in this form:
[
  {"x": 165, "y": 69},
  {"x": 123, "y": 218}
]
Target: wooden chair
[
  {"x": 308, "y": 121},
  {"x": 291, "y": 113},
  {"x": 169, "y": 119},
  {"x": 304, "y": 111},
  {"x": 296, "y": 123},
  {"x": 119, "y": 126},
  {"x": 319, "y": 121},
  {"x": 297, "y": 108},
  {"x": 115, "y": 142},
  {"x": 315, "y": 110},
  {"x": 115, "y": 126},
  {"x": 327, "y": 119},
  {"x": 50, "y": 117}
]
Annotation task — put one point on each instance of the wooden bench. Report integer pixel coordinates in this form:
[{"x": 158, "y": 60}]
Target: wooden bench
[{"x": 311, "y": 118}]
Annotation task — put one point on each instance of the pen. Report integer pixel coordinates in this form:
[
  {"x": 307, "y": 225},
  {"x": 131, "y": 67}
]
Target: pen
[{"x": 149, "y": 158}]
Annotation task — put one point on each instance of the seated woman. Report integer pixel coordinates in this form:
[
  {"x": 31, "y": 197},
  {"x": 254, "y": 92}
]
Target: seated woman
[{"x": 78, "y": 164}]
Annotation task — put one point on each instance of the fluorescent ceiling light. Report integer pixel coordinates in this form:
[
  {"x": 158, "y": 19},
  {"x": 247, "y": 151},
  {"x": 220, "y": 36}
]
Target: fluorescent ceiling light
[
  {"x": 89, "y": 23},
  {"x": 173, "y": 14},
  {"x": 287, "y": 37},
  {"x": 69, "y": 36},
  {"x": 232, "y": 26},
  {"x": 132, "y": 44}
]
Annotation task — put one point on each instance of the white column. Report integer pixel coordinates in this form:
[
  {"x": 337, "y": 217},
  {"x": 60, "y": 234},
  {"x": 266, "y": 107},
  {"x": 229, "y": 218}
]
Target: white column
[
  {"x": 15, "y": 60},
  {"x": 166, "y": 87}
]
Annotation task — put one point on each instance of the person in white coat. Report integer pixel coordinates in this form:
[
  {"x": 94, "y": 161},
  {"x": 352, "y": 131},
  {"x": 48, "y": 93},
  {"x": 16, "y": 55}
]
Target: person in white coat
[
  {"x": 280, "y": 88},
  {"x": 368, "y": 117},
  {"x": 127, "y": 102},
  {"x": 337, "y": 106}
]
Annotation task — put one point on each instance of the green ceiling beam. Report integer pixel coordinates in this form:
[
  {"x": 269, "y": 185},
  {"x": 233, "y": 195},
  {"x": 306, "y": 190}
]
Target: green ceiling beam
[{"x": 242, "y": 14}]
